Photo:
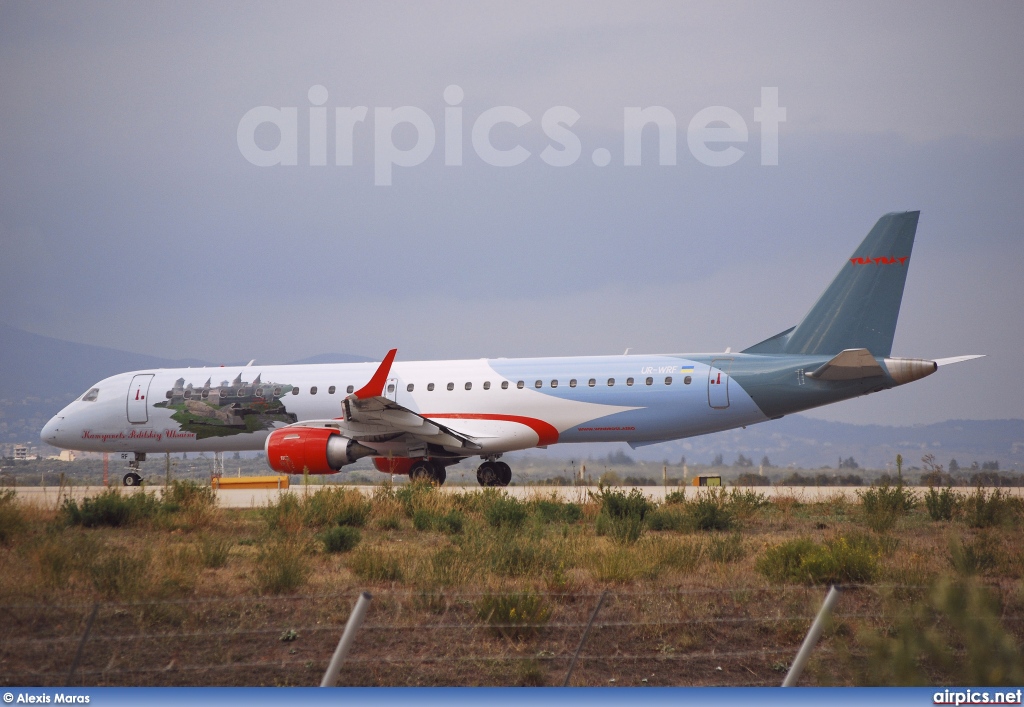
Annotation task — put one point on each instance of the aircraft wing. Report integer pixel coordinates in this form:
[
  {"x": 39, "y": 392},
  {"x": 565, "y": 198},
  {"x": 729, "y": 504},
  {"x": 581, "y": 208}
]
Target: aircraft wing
[{"x": 369, "y": 416}]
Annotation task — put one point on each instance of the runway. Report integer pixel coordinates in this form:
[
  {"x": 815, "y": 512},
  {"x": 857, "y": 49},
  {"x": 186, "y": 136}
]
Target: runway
[{"x": 255, "y": 498}]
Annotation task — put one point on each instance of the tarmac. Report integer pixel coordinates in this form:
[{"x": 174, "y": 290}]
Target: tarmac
[{"x": 255, "y": 498}]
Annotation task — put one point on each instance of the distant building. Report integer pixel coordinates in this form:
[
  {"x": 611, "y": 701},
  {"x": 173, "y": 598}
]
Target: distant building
[
  {"x": 66, "y": 455},
  {"x": 21, "y": 453}
]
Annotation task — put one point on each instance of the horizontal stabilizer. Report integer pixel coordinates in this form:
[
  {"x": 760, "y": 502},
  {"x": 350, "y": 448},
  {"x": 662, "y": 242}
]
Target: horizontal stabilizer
[
  {"x": 851, "y": 364},
  {"x": 957, "y": 359}
]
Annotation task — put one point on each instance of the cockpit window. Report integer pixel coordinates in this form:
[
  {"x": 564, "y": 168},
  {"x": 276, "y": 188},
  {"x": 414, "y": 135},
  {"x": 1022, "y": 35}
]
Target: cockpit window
[{"x": 90, "y": 395}]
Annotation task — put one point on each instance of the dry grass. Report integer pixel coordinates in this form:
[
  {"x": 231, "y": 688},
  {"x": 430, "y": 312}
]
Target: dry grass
[{"x": 427, "y": 546}]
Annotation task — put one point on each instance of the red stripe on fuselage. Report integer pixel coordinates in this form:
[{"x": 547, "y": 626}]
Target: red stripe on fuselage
[{"x": 546, "y": 433}]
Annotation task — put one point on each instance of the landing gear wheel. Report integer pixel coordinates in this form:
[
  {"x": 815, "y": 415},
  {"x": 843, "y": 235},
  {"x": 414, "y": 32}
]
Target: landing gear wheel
[
  {"x": 504, "y": 473},
  {"x": 439, "y": 474},
  {"x": 131, "y": 479},
  {"x": 428, "y": 471},
  {"x": 488, "y": 475}
]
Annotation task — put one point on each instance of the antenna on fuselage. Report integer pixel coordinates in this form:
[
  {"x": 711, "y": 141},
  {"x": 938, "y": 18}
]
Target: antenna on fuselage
[
  {"x": 250, "y": 363},
  {"x": 627, "y": 351}
]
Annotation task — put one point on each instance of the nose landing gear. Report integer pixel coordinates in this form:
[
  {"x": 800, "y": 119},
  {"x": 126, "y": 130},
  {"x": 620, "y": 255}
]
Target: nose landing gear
[{"x": 133, "y": 478}]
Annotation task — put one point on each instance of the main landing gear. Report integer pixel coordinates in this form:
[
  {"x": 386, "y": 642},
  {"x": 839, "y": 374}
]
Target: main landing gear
[
  {"x": 429, "y": 470},
  {"x": 494, "y": 473}
]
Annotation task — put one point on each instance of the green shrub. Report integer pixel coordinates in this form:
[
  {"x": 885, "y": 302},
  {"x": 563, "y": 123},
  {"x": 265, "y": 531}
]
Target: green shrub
[
  {"x": 504, "y": 511},
  {"x": 336, "y": 506},
  {"x": 388, "y": 523},
  {"x": 412, "y": 495},
  {"x": 941, "y": 505},
  {"x": 513, "y": 615},
  {"x": 624, "y": 514},
  {"x": 840, "y": 560},
  {"x": 187, "y": 494},
  {"x": 110, "y": 509},
  {"x": 883, "y": 505},
  {"x": 280, "y": 567},
  {"x": 12, "y": 520},
  {"x": 341, "y": 538},
  {"x": 747, "y": 502},
  {"x": 710, "y": 510},
  {"x": 284, "y": 514},
  {"x": 427, "y": 519},
  {"x": 667, "y": 518},
  {"x": 511, "y": 555},
  {"x": 558, "y": 512},
  {"x": 675, "y": 497},
  {"x": 983, "y": 510}
]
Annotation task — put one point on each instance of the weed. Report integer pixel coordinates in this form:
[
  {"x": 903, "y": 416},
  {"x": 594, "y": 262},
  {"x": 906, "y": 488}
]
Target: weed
[
  {"x": 513, "y": 615},
  {"x": 972, "y": 649},
  {"x": 667, "y": 518},
  {"x": 448, "y": 567},
  {"x": 341, "y": 538},
  {"x": 746, "y": 503},
  {"x": 675, "y": 497},
  {"x": 627, "y": 563},
  {"x": 504, "y": 511},
  {"x": 511, "y": 555},
  {"x": 883, "y": 505},
  {"x": 430, "y": 519},
  {"x": 680, "y": 555},
  {"x": 842, "y": 559},
  {"x": 377, "y": 564},
  {"x": 983, "y": 510},
  {"x": 624, "y": 513},
  {"x": 187, "y": 494},
  {"x": 974, "y": 557},
  {"x": 941, "y": 505},
  {"x": 552, "y": 511},
  {"x": 62, "y": 553},
  {"x": 109, "y": 508},
  {"x": 726, "y": 548},
  {"x": 213, "y": 551},
  {"x": 118, "y": 574},
  {"x": 336, "y": 506},
  {"x": 12, "y": 520},
  {"x": 388, "y": 523},
  {"x": 281, "y": 567},
  {"x": 710, "y": 510},
  {"x": 531, "y": 674},
  {"x": 283, "y": 515},
  {"x": 413, "y": 495}
]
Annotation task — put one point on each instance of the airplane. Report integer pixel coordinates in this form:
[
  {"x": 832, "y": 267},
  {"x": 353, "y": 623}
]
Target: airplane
[{"x": 418, "y": 417}]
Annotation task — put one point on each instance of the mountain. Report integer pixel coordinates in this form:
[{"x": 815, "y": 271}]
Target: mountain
[
  {"x": 810, "y": 443},
  {"x": 39, "y": 375}
]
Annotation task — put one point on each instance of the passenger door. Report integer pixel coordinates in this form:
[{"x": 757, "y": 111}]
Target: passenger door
[
  {"x": 138, "y": 411},
  {"x": 718, "y": 383}
]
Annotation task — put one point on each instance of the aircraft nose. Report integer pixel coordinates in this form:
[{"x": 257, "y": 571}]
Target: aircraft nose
[{"x": 50, "y": 430}]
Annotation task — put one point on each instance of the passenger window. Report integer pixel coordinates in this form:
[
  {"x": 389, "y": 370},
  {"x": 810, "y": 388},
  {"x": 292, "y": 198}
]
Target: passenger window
[
  {"x": 206, "y": 394},
  {"x": 259, "y": 392},
  {"x": 169, "y": 394},
  {"x": 487, "y": 385},
  {"x": 649, "y": 381},
  {"x": 409, "y": 387},
  {"x": 330, "y": 391},
  {"x": 242, "y": 392},
  {"x": 538, "y": 384},
  {"x": 629, "y": 381},
  {"x": 451, "y": 386},
  {"x": 554, "y": 384},
  {"x": 592, "y": 382},
  {"x": 469, "y": 386},
  {"x": 187, "y": 394},
  {"x": 504, "y": 385},
  {"x": 295, "y": 391},
  {"x": 611, "y": 381},
  {"x": 430, "y": 386},
  {"x": 277, "y": 391},
  {"x": 668, "y": 380},
  {"x": 572, "y": 383},
  {"x": 90, "y": 395},
  {"x": 391, "y": 387},
  {"x": 350, "y": 389},
  {"x": 312, "y": 391},
  {"x": 520, "y": 385},
  {"x": 687, "y": 380}
]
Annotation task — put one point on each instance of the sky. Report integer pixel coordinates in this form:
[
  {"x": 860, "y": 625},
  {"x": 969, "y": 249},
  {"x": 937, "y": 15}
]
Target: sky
[{"x": 131, "y": 214}]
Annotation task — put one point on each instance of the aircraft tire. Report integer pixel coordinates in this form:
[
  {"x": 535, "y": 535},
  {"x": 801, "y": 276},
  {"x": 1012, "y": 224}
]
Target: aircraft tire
[
  {"x": 131, "y": 479},
  {"x": 438, "y": 473},
  {"x": 504, "y": 473},
  {"x": 487, "y": 474},
  {"x": 421, "y": 470}
]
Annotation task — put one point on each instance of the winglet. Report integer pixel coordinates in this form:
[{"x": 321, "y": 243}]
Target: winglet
[{"x": 375, "y": 387}]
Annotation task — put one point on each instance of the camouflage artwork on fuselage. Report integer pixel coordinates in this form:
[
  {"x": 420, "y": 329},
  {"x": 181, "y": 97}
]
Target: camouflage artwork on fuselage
[{"x": 228, "y": 409}]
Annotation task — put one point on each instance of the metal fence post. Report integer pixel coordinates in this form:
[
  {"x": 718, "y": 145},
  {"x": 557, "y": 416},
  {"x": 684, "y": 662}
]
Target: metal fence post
[
  {"x": 355, "y": 620},
  {"x": 81, "y": 644},
  {"x": 812, "y": 638},
  {"x": 583, "y": 638}
]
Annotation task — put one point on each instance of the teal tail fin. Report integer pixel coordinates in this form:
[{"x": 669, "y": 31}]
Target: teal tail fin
[{"x": 859, "y": 309}]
